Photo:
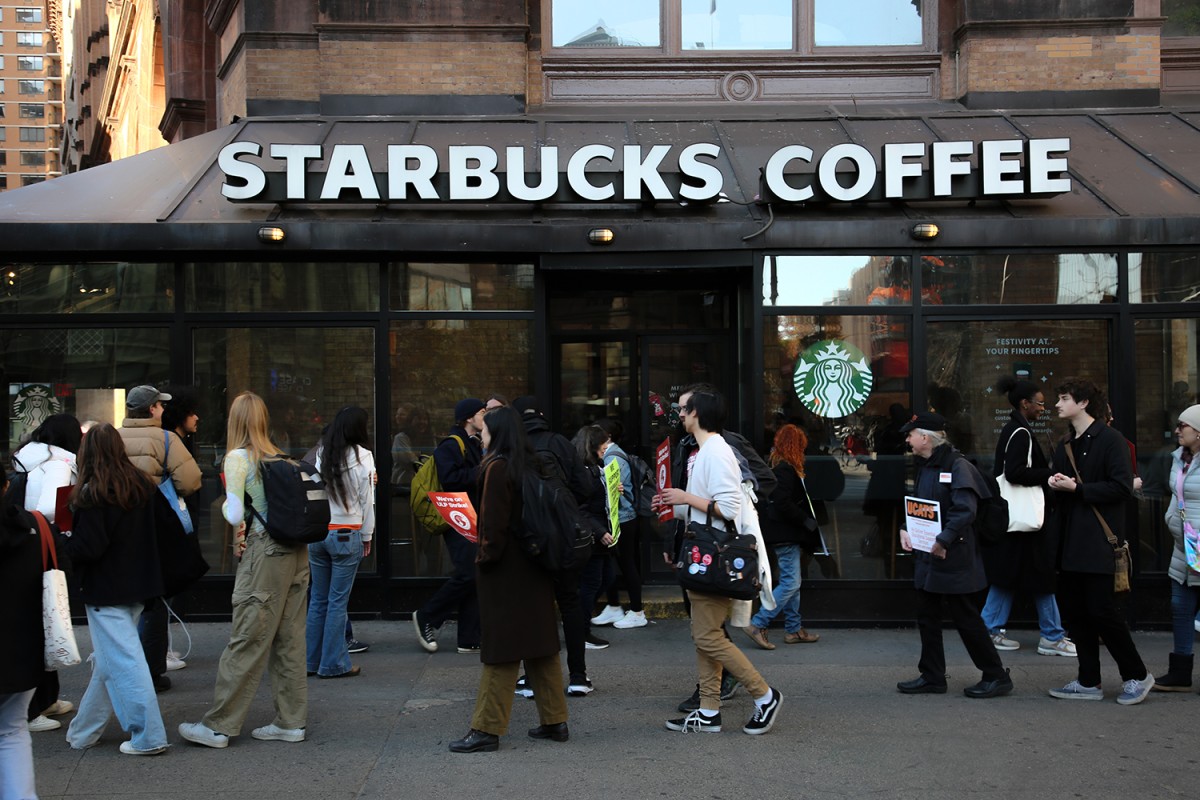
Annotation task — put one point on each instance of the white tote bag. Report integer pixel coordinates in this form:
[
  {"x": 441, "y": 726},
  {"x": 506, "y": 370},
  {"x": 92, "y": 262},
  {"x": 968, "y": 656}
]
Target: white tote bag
[
  {"x": 61, "y": 649},
  {"x": 1026, "y": 504}
]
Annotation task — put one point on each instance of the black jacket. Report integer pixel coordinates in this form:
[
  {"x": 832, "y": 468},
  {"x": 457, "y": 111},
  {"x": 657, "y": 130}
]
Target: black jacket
[
  {"x": 961, "y": 571},
  {"x": 787, "y": 509},
  {"x": 21, "y": 598},
  {"x": 458, "y": 471},
  {"x": 566, "y": 458},
  {"x": 115, "y": 554},
  {"x": 1107, "y": 472},
  {"x": 1022, "y": 560}
]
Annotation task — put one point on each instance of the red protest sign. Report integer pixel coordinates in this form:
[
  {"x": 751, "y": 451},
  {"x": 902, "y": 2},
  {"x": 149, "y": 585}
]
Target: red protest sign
[
  {"x": 456, "y": 509},
  {"x": 662, "y": 471}
]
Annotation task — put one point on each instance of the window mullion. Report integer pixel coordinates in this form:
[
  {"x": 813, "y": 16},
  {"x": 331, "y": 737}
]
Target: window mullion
[{"x": 671, "y": 16}]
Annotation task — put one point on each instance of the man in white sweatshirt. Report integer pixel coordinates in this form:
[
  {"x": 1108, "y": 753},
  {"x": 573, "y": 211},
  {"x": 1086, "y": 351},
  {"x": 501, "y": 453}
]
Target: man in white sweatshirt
[{"x": 715, "y": 479}]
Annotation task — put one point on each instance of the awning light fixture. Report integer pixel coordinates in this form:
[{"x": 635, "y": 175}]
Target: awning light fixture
[
  {"x": 925, "y": 230},
  {"x": 600, "y": 236},
  {"x": 271, "y": 235}
]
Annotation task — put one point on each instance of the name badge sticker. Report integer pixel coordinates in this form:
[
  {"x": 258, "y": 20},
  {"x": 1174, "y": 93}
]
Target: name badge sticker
[{"x": 943, "y": 477}]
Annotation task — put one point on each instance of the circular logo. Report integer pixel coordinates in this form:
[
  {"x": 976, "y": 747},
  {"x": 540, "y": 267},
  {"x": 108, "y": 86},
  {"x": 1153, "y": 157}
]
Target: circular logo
[
  {"x": 460, "y": 520},
  {"x": 707, "y": 559},
  {"x": 738, "y": 563},
  {"x": 694, "y": 568},
  {"x": 33, "y": 403},
  {"x": 833, "y": 378}
]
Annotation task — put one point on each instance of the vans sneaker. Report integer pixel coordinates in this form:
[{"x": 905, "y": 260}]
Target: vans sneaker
[
  {"x": 274, "y": 733},
  {"x": 1077, "y": 691},
  {"x": 765, "y": 714},
  {"x": 1135, "y": 691},
  {"x": 1002, "y": 642},
  {"x": 696, "y": 722},
  {"x": 355, "y": 646},
  {"x": 1063, "y": 647},
  {"x": 632, "y": 619},
  {"x": 608, "y": 616}
]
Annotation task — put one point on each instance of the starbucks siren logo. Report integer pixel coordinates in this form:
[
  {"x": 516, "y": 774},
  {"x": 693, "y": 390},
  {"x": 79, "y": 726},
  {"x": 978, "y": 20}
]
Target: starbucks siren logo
[
  {"x": 33, "y": 404},
  {"x": 833, "y": 378}
]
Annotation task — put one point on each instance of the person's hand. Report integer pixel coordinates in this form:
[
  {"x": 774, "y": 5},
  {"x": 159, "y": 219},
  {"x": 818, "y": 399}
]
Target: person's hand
[
  {"x": 1062, "y": 483},
  {"x": 905, "y": 541},
  {"x": 938, "y": 551},
  {"x": 668, "y": 560},
  {"x": 1137, "y": 484},
  {"x": 606, "y": 539},
  {"x": 672, "y": 497},
  {"x": 366, "y": 548}
]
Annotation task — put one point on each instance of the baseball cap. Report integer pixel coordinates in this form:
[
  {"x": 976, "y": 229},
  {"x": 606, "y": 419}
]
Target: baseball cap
[
  {"x": 142, "y": 397},
  {"x": 925, "y": 420}
]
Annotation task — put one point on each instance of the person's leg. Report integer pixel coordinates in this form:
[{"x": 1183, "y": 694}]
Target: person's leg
[
  {"x": 997, "y": 608},
  {"x": 493, "y": 703},
  {"x": 932, "y": 663},
  {"x": 93, "y": 712},
  {"x": 453, "y": 595},
  {"x": 320, "y": 567},
  {"x": 16, "y": 747},
  {"x": 590, "y": 581},
  {"x": 120, "y": 661},
  {"x": 1080, "y": 625},
  {"x": 1183, "y": 614},
  {"x": 1049, "y": 620},
  {"x": 44, "y": 695},
  {"x": 787, "y": 593},
  {"x": 1110, "y": 625},
  {"x": 289, "y": 688},
  {"x": 974, "y": 634},
  {"x": 152, "y": 630},
  {"x": 629, "y": 550},
  {"x": 345, "y": 557},
  {"x": 545, "y": 675},
  {"x": 715, "y": 651},
  {"x": 574, "y": 622}
]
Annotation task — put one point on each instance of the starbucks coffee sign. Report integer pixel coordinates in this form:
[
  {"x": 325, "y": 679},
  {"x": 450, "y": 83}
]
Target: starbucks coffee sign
[
  {"x": 833, "y": 379},
  {"x": 795, "y": 173}
]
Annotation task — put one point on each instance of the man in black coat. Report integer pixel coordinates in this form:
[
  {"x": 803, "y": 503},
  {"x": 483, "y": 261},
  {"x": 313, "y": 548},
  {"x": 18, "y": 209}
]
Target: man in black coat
[
  {"x": 952, "y": 572},
  {"x": 1093, "y": 479}
]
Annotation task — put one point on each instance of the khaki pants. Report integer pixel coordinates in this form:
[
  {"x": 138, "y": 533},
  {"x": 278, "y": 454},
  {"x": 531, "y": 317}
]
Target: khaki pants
[
  {"x": 493, "y": 706},
  {"x": 269, "y": 611},
  {"x": 714, "y": 651}
]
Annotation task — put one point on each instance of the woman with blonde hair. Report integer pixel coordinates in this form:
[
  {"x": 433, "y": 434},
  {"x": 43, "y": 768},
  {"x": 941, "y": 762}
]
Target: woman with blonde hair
[
  {"x": 787, "y": 526},
  {"x": 268, "y": 598}
]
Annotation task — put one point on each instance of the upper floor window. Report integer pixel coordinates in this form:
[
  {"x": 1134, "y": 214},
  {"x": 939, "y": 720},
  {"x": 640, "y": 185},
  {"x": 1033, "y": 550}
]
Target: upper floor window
[
  {"x": 33, "y": 158},
  {"x": 31, "y": 87},
  {"x": 30, "y": 63},
  {"x": 33, "y": 134},
  {"x": 29, "y": 14},
  {"x": 32, "y": 110},
  {"x": 28, "y": 39},
  {"x": 671, "y": 27}
]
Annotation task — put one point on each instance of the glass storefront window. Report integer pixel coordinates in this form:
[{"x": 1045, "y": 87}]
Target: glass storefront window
[
  {"x": 844, "y": 379},
  {"x": 792, "y": 280},
  {"x": 1164, "y": 277},
  {"x": 685, "y": 308},
  {"x": 618, "y": 23},
  {"x": 282, "y": 287},
  {"x": 86, "y": 288},
  {"x": 434, "y": 364},
  {"x": 461, "y": 287},
  {"x": 867, "y": 23},
  {"x": 1182, "y": 18},
  {"x": 1020, "y": 278},
  {"x": 76, "y": 370},
  {"x": 764, "y": 25},
  {"x": 304, "y": 374}
]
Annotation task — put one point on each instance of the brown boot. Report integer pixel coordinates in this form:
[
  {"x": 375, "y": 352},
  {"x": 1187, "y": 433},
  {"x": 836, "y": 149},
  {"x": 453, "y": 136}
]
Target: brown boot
[
  {"x": 801, "y": 637},
  {"x": 758, "y": 636}
]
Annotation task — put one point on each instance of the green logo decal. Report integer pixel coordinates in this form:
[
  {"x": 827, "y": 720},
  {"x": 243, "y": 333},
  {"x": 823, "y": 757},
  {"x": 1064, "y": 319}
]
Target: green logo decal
[{"x": 833, "y": 378}]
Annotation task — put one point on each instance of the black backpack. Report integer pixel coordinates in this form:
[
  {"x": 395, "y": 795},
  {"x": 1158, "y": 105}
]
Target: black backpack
[
  {"x": 644, "y": 488},
  {"x": 554, "y": 531},
  {"x": 991, "y": 515},
  {"x": 297, "y": 505}
]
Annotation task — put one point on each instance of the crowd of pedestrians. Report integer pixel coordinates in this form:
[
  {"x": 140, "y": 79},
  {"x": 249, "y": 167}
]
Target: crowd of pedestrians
[{"x": 290, "y": 600}]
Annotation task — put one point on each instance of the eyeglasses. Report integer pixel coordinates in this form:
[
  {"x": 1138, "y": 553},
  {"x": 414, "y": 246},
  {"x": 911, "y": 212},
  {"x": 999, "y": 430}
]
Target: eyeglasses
[{"x": 1181, "y": 425}]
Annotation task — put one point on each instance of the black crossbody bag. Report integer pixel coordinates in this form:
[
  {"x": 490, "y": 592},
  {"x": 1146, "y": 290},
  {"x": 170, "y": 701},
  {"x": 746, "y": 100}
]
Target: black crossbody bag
[{"x": 715, "y": 561}]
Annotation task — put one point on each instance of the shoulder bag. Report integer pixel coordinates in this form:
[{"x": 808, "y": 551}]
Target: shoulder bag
[
  {"x": 1123, "y": 564},
  {"x": 720, "y": 562},
  {"x": 167, "y": 487},
  {"x": 61, "y": 649},
  {"x": 1026, "y": 504}
]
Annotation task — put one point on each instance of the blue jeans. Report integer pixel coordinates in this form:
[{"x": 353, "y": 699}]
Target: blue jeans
[
  {"x": 787, "y": 590},
  {"x": 333, "y": 564},
  {"x": 120, "y": 683},
  {"x": 16, "y": 748},
  {"x": 1184, "y": 602},
  {"x": 999, "y": 606}
]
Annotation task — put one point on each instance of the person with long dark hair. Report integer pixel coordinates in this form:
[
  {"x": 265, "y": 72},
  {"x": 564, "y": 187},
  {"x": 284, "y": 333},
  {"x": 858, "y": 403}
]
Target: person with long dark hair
[
  {"x": 1023, "y": 560},
  {"x": 516, "y": 599},
  {"x": 348, "y": 469},
  {"x": 48, "y": 461},
  {"x": 115, "y": 552}
]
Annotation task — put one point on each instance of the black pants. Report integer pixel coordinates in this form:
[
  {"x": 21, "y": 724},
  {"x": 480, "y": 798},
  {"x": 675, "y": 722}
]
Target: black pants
[
  {"x": 45, "y": 695},
  {"x": 964, "y": 613},
  {"x": 574, "y": 622},
  {"x": 629, "y": 557},
  {"x": 152, "y": 630},
  {"x": 1089, "y": 611},
  {"x": 457, "y": 594}
]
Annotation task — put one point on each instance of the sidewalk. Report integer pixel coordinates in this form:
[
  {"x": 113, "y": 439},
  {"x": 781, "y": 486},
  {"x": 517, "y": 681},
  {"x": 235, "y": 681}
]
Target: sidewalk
[{"x": 844, "y": 731}]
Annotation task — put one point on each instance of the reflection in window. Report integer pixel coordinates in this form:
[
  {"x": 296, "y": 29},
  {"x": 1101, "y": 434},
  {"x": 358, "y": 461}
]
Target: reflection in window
[
  {"x": 867, "y": 23},
  {"x": 433, "y": 367},
  {"x": 85, "y": 288},
  {"x": 1183, "y": 18},
  {"x": 1022, "y": 278},
  {"x": 837, "y": 280},
  {"x": 616, "y": 23},
  {"x": 712, "y": 25},
  {"x": 855, "y": 465},
  {"x": 461, "y": 287},
  {"x": 304, "y": 374},
  {"x": 282, "y": 287},
  {"x": 684, "y": 308},
  {"x": 1164, "y": 277}
]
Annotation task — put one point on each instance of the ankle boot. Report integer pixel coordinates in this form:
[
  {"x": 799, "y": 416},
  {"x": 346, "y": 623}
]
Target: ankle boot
[{"x": 1179, "y": 675}]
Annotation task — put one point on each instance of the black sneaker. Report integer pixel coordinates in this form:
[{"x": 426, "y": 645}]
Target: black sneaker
[
  {"x": 696, "y": 722},
  {"x": 426, "y": 633},
  {"x": 579, "y": 687},
  {"x": 692, "y": 703},
  {"x": 595, "y": 643},
  {"x": 764, "y": 715},
  {"x": 523, "y": 687},
  {"x": 355, "y": 646}
]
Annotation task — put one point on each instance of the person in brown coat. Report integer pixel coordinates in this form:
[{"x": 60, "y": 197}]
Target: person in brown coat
[{"x": 516, "y": 599}]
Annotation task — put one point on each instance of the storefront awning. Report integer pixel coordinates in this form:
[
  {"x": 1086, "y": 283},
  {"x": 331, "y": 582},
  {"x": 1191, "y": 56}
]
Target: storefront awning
[{"x": 1134, "y": 182}]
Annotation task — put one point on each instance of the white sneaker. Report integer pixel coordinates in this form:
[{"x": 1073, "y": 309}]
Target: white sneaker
[
  {"x": 200, "y": 733},
  {"x": 274, "y": 733},
  {"x": 632, "y": 619},
  {"x": 43, "y": 723},
  {"x": 1002, "y": 642},
  {"x": 1063, "y": 647},
  {"x": 128, "y": 749},
  {"x": 174, "y": 663},
  {"x": 608, "y": 616},
  {"x": 58, "y": 708}
]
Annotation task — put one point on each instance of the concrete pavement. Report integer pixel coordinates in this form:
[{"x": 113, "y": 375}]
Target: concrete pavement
[{"x": 843, "y": 731}]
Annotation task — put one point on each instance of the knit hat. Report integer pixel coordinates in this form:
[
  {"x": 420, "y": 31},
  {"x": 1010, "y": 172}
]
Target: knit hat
[
  {"x": 465, "y": 409},
  {"x": 1191, "y": 415}
]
